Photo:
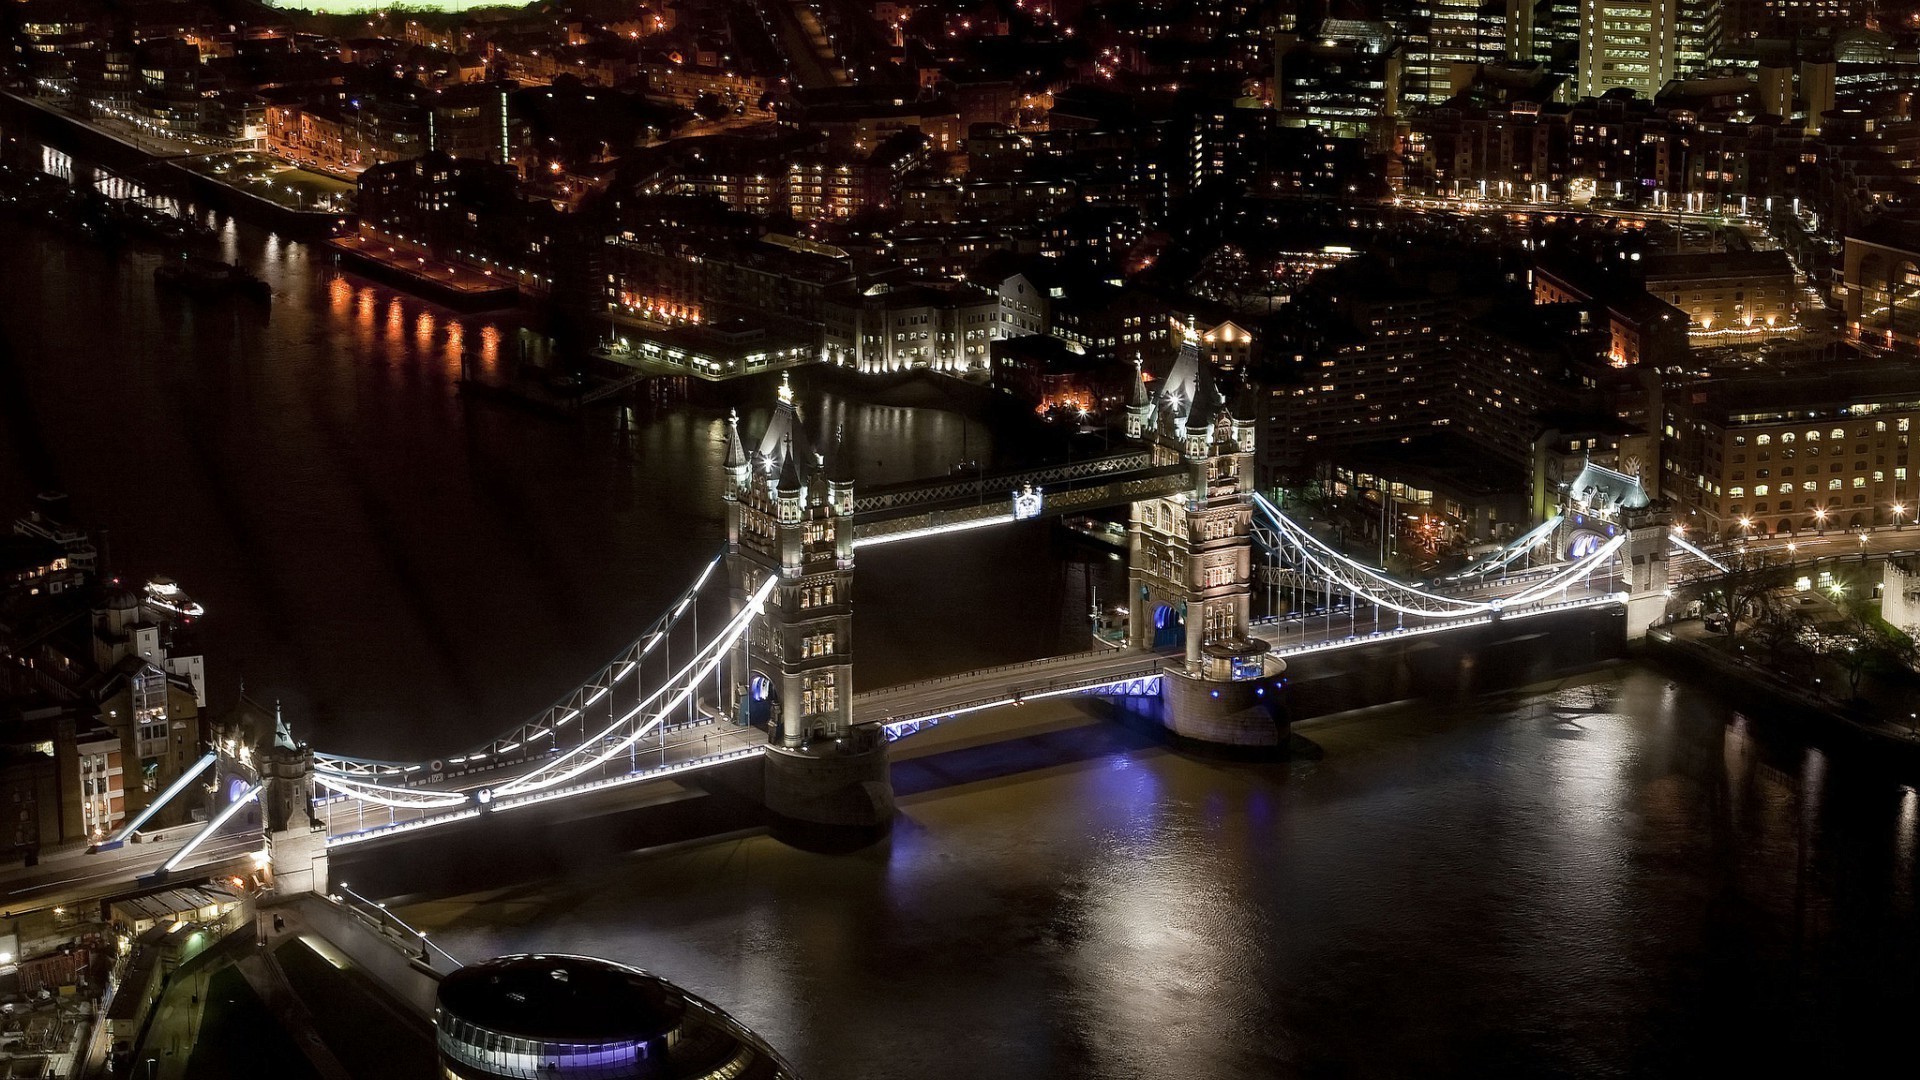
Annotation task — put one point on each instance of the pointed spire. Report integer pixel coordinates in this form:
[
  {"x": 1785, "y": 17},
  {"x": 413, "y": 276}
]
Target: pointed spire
[
  {"x": 736, "y": 449},
  {"x": 786, "y": 389},
  {"x": 1139, "y": 398},
  {"x": 282, "y": 734},
  {"x": 789, "y": 470},
  {"x": 1206, "y": 399}
]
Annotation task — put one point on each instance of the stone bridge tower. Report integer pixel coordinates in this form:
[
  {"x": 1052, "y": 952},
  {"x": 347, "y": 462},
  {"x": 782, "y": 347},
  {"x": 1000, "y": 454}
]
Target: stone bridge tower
[
  {"x": 1644, "y": 563},
  {"x": 790, "y": 517},
  {"x": 1191, "y": 568},
  {"x": 296, "y": 840}
]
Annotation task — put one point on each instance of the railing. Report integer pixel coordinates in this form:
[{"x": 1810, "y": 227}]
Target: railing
[
  {"x": 921, "y": 493},
  {"x": 982, "y": 673},
  {"x": 1141, "y": 680}
]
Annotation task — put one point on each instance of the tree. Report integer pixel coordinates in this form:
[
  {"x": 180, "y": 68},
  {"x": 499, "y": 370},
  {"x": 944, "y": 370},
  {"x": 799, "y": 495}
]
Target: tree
[{"x": 1747, "y": 590}]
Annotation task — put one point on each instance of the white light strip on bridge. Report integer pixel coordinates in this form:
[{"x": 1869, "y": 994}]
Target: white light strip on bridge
[
  {"x": 213, "y": 826},
  {"x": 403, "y": 798},
  {"x": 717, "y": 649},
  {"x": 166, "y": 797},
  {"x": 1681, "y": 542},
  {"x": 1438, "y": 628},
  {"x": 1458, "y": 607},
  {"x": 933, "y": 530},
  {"x": 1512, "y": 551},
  {"x": 1603, "y": 553},
  {"x": 538, "y": 797},
  {"x": 533, "y": 798},
  {"x": 401, "y": 827},
  {"x": 947, "y": 714},
  {"x": 1302, "y": 538}
]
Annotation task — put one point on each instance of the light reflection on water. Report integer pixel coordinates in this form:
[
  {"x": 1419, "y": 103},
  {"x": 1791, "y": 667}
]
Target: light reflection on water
[{"x": 1438, "y": 895}]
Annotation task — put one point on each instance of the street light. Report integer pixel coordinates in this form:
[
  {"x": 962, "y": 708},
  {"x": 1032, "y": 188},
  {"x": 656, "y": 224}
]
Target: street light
[
  {"x": 1820, "y": 520},
  {"x": 1899, "y": 511}
]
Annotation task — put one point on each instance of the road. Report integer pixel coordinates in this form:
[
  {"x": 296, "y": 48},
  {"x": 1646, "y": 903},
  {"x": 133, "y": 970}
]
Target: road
[
  {"x": 973, "y": 690},
  {"x": 811, "y": 54},
  {"x": 72, "y": 878}
]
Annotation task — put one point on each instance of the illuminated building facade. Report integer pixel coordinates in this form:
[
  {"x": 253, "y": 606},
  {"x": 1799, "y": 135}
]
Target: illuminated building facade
[{"x": 1628, "y": 44}]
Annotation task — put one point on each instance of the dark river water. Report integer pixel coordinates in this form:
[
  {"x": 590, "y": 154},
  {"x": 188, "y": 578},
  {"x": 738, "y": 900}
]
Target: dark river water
[{"x": 1624, "y": 879}]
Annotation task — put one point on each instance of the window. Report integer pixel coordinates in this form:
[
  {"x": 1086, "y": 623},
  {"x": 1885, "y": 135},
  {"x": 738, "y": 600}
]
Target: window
[
  {"x": 1762, "y": 440},
  {"x": 1761, "y": 490}
]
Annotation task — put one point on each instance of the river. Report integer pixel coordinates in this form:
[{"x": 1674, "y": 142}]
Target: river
[{"x": 1629, "y": 878}]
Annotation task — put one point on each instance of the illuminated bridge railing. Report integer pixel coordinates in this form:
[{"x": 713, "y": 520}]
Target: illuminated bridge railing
[
  {"x": 1113, "y": 490},
  {"x": 1141, "y": 679},
  {"x": 507, "y": 803},
  {"x": 898, "y": 498}
]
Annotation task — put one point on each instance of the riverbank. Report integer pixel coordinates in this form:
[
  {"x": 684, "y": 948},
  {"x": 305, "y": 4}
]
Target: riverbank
[
  {"x": 161, "y": 171},
  {"x": 1789, "y": 701}
]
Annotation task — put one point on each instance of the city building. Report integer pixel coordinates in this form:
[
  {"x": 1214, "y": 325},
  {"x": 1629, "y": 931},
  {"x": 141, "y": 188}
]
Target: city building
[
  {"x": 1793, "y": 452},
  {"x": 1882, "y": 284},
  {"x": 1631, "y": 45}
]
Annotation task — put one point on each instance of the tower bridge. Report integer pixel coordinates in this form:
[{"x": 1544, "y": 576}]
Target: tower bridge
[{"x": 767, "y": 685}]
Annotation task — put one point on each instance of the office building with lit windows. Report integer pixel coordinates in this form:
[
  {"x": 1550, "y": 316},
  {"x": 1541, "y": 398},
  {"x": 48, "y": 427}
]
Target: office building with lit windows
[
  {"x": 1793, "y": 452},
  {"x": 1628, "y": 44}
]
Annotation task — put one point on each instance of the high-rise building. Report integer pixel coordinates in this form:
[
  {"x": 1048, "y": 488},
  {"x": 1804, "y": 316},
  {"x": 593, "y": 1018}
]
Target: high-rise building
[{"x": 1629, "y": 44}]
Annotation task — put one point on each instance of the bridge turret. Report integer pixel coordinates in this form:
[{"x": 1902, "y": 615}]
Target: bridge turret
[
  {"x": 297, "y": 841},
  {"x": 1649, "y": 532},
  {"x": 739, "y": 467},
  {"x": 1139, "y": 405}
]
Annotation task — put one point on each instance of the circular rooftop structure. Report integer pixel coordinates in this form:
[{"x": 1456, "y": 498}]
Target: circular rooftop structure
[{"x": 542, "y": 1016}]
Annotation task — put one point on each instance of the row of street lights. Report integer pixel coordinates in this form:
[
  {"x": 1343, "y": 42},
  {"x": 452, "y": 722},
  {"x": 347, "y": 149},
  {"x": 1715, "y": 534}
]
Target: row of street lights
[{"x": 1899, "y": 511}]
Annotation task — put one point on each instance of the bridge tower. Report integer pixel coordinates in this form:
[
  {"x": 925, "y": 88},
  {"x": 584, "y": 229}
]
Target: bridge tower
[
  {"x": 1649, "y": 538},
  {"x": 1191, "y": 570},
  {"x": 790, "y": 516},
  {"x": 297, "y": 842}
]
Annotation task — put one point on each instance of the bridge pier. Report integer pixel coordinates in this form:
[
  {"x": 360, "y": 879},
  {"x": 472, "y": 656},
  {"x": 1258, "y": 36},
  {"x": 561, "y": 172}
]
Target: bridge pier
[
  {"x": 1238, "y": 714},
  {"x": 840, "y": 784}
]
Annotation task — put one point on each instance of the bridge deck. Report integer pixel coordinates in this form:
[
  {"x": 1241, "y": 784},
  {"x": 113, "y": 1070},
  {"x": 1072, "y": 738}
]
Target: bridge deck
[
  {"x": 971, "y": 691},
  {"x": 352, "y": 820}
]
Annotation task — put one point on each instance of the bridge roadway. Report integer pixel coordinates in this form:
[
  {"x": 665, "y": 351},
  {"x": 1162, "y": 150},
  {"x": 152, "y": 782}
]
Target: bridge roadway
[
  {"x": 71, "y": 877},
  {"x": 1008, "y": 684}
]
